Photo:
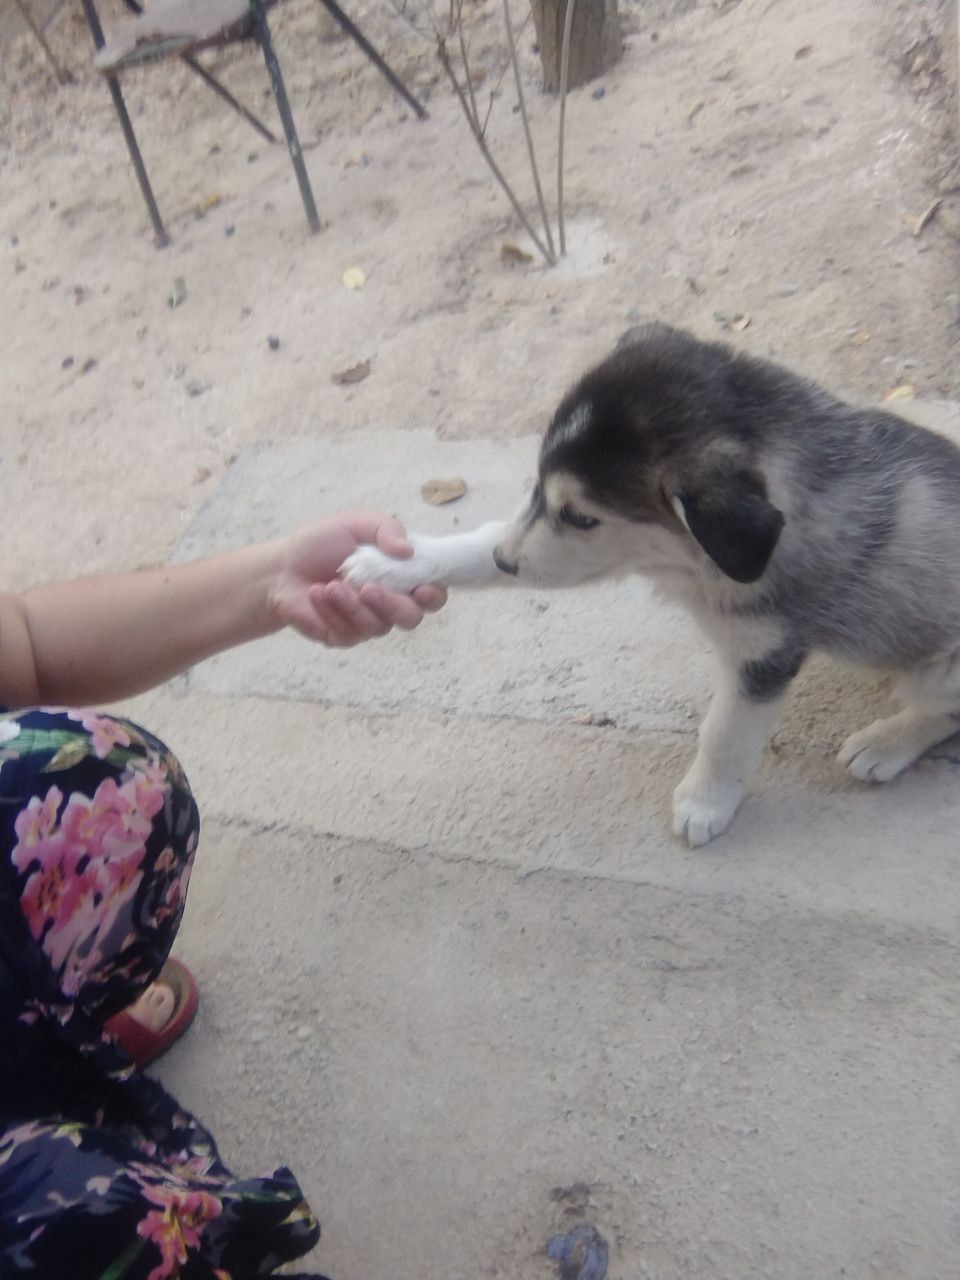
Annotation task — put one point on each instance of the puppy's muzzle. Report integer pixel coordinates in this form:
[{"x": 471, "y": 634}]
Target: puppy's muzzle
[{"x": 504, "y": 564}]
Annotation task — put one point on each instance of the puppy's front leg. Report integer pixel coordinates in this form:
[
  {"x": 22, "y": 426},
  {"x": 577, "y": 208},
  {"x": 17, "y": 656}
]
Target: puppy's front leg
[
  {"x": 743, "y": 714},
  {"x": 457, "y": 560}
]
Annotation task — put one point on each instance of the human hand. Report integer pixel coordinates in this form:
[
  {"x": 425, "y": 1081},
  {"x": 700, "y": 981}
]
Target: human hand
[{"x": 308, "y": 596}]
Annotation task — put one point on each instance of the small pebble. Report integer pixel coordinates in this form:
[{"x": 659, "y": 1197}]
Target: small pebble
[
  {"x": 273, "y": 343},
  {"x": 598, "y": 94},
  {"x": 66, "y": 362},
  {"x": 581, "y": 1255},
  {"x": 228, "y": 231}
]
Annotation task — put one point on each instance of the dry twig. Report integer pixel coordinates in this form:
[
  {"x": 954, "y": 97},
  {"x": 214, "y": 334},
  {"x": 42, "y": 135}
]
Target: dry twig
[
  {"x": 415, "y": 13},
  {"x": 526, "y": 130},
  {"x": 485, "y": 151},
  {"x": 564, "y": 77}
]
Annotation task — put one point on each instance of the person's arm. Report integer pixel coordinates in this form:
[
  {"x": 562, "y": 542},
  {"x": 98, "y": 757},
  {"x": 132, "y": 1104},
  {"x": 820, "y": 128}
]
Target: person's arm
[{"x": 102, "y": 638}]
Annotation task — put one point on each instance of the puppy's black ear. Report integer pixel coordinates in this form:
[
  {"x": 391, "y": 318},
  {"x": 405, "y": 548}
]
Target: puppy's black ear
[{"x": 725, "y": 507}]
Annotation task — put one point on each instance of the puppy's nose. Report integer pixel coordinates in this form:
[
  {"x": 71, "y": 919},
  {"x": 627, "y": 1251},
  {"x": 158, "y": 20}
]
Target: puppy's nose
[{"x": 503, "y": 564}]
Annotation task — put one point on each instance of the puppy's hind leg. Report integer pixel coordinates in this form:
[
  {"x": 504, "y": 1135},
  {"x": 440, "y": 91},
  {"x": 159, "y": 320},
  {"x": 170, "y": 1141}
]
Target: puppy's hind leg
[
  {"x": 745, "y": 708},
  {"x": 931, "y": 714}
]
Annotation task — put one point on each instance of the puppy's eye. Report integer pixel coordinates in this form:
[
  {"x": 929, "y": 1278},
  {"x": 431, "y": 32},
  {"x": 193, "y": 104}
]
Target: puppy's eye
[{"x": 576, "y": 519}]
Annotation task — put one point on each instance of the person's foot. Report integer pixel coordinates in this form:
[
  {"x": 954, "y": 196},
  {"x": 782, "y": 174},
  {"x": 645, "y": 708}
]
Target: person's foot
[
  {"x": 155, "y": 1007},
  {"x": 159, "y": 1016}
]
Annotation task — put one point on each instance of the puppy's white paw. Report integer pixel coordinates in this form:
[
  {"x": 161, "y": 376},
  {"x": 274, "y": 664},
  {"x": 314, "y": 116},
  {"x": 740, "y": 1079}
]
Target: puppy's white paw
[
  {"x": 704, "y": 808},
  {"x": 368, "y": 564},
  {"x": 881, "y": 751}
]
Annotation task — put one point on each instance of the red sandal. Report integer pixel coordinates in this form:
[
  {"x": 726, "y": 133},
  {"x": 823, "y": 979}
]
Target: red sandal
[{"x": 145, "y": 1046}]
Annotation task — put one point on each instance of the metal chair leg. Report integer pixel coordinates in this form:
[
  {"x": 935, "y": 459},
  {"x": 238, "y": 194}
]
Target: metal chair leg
[
  {"x": 283, "y": 106},
  {"x": 161, "y": 238},
  {"x": 354, "y": 31},
  {"x": 27, "y": 16},
  {"x": 212, "y": 82},
  {"x": 160, "y": 235}
]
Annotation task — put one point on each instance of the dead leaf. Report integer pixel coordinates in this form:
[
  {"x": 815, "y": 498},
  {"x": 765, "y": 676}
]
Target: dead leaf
[
  {"x": 356, "y": 373},
  {"x": 738, "y": 321},
  {"x": 439, "y": 492},
  {"x": 88, "y": 364},
  {"x": 513, "y": 256},
  {"x": 354, "y": 278},
  {"x": 201, "y": 474},
  {"x": 804, "y": 51},
  {"x": 918, "y": 224},
  {"x": 695, "y": 111},
  {"x": 209, "y": 202},
  {"x": 860, "y": 337},
  {"x": 905, "y": 391}
]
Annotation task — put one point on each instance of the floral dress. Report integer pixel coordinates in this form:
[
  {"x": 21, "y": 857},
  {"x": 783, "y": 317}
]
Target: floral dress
[{"x": 102, "y": 1175}]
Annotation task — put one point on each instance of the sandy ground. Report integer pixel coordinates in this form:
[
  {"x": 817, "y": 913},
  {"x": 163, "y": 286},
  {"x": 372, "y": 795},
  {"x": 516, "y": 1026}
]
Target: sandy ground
[
  {"x": 784, "y": 197},
  {"x": 454, "y": 970}
]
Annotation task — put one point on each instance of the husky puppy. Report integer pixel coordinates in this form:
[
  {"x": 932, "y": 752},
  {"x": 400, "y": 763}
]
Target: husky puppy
[{"x": 784, "y": 520}]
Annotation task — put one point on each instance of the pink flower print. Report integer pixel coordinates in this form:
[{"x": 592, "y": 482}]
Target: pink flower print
[
  {"x": 115, "y": 822},
  {"x": 98, "y": 824},
  {"x": 35, "y": 824},
  {"x": 59, "y": 891},
  {"x": 105, "y": 734},
  {"x": 166, "y": 861},
  {"x": 118, "y": 878},
  {"x": 147, "y": 786},
  {"x": 176, "y": 1225}
]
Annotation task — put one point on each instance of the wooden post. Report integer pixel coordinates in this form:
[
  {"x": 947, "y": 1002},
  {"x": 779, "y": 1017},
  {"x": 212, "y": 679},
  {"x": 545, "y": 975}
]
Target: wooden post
[{"x": 595, "y": 44}]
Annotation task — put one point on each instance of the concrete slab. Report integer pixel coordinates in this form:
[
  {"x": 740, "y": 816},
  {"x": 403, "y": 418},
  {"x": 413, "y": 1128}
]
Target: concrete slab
[
  {"x": 458, "y": 975},
  {"x": 576, "y": 800},
  {"x": 515, "y": 653},
  {"x": 460, "y": 1060}
]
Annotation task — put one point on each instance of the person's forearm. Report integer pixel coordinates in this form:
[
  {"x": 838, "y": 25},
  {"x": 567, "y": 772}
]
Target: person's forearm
[{"x": 98, "y": 639}]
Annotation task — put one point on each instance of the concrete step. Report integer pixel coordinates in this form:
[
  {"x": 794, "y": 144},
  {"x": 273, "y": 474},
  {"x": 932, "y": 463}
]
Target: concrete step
[{"x": 583, "y": 801}]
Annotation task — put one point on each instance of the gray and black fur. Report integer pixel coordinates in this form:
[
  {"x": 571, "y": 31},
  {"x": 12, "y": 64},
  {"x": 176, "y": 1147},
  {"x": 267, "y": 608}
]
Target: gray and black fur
[
  {"x": 843, "y": 523},
  {"x": 785, "y": 520}
]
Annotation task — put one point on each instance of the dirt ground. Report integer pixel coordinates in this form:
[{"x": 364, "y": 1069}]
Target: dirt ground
[
  {"x": 599, "y": 1007},
  {"x": 762, "y": 160}
]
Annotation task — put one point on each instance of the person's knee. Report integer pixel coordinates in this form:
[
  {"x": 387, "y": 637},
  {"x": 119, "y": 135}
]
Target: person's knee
[{"x": 101, "y": 839}]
